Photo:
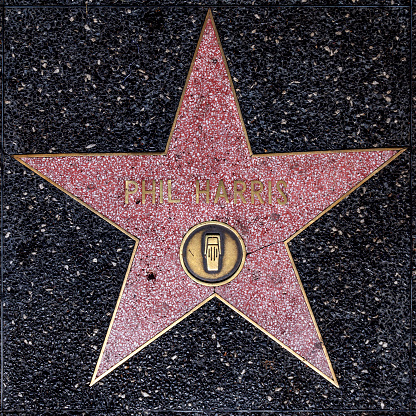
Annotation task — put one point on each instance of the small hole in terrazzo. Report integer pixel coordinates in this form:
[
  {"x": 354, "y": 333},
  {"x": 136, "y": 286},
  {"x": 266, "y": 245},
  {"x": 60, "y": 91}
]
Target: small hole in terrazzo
[{"x": 151, "y": 276}]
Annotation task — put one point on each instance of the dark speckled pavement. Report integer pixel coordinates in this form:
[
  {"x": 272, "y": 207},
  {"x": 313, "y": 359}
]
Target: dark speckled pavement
[{"x": 107, "y": 76}]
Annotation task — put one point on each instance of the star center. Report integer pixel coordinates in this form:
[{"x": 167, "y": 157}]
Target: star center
[{"x": 212, "y": 253}]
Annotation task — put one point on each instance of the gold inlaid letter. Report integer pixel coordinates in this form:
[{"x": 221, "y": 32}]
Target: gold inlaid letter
[
  {"x": 239, "y": 192},
  {"x": 200, "y": 191},
  {"x": 170, "y": 200},
  {"x": 257, "y": 192},
  {"x": 161, "y": 191},
  {"x": 280, "y": 190},
  {"x": 149, "y": 192},
  {"x": 269, "y": 186},
  {"x": 221, "y": 192},
  {"x": 128, "y": 191}
]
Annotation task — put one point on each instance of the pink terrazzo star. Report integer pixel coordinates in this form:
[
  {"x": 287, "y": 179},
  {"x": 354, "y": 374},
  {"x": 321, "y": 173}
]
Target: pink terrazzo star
[{"x": 209, "y": 142}]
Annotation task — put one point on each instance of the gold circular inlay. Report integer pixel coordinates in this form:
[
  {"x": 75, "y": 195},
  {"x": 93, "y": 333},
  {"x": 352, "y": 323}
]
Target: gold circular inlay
[{"x": 212, "y": 253}]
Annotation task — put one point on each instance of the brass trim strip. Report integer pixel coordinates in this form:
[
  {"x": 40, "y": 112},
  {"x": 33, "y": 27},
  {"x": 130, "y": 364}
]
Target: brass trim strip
[
  {"x": 399, "y": 152},
  {"x": 19, "y": 159},
  {"x": 311, "y": 152},
  {"x": 95, "y": 380},
  {"x": 210, "y": 16},
  {"x": 334, "y": 381},
  {"x": 113, "y": 317},
  {"x": 317, "y": 152}
]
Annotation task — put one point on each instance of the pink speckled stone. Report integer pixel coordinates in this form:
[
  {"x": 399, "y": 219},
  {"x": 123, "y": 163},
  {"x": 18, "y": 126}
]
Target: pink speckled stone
[
  {"x": 267, "y": 291},
  {"x": 209, "y": 143}
]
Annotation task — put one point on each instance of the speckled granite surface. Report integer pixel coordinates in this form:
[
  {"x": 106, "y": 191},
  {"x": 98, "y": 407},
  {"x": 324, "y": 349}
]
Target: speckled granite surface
[{"x": 109, "y": 79}]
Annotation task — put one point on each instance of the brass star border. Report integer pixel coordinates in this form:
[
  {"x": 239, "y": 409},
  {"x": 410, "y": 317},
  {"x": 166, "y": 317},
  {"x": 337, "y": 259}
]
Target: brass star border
[{"x": 95, "y": 378}]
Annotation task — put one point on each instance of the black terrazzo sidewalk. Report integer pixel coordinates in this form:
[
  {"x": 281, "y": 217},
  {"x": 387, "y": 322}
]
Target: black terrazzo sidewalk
[{"x": 107, "y": 77}]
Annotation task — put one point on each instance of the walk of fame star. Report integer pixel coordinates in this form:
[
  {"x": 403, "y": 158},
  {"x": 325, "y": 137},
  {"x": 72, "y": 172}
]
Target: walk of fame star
[{"x": 264, "y": 201}]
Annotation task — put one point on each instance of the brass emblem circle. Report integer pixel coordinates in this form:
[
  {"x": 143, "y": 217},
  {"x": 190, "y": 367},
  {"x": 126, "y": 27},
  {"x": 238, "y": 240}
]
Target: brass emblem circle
[{"x": 212, "y": 253}]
